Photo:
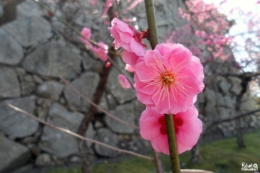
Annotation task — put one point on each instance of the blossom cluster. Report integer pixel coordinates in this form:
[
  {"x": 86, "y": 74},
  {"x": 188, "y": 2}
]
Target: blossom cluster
[
  {"x": 167, "y": 81},
  {"x": 210, "y": 32},
  {"x": 100, "y": 50}
]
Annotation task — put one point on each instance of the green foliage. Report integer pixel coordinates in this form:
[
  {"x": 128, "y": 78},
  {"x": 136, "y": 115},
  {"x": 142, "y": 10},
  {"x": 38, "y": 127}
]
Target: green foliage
[
  {"x": 222, "y": 156},
  {"x": 73, "y": 169}
]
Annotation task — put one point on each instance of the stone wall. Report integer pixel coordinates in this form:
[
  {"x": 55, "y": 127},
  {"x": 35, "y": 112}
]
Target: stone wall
[
  {"x": 220, "y": 101},
  {"x": 35, "y": 49}
]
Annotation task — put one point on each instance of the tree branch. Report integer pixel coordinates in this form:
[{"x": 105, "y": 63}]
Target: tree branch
[
  {"x": 98, "y": 107},
  {"x": 79, "y": 136},
  {"x": 213, "y": 123}
]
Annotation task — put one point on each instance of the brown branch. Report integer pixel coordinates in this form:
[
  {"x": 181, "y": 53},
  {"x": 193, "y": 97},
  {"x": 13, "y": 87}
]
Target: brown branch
[
  {"x": 111, "y": 53},
  {"x": 120, "y": 71},
  {"x": 96, "y": 99},
  {"x": 78, "y": 136},
  {"x": 72, "y": 28},
  {"x": 158, "y": 161},
  {"x": 241, "y": 115},
  {"x": 98, "y": 107},
  {"x": 243, "y": 75},
  {"x": 118, "y": 9}
]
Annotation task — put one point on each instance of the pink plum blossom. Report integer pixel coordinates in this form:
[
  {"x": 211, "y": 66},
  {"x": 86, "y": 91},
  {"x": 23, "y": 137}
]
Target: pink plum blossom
[
  {"x": 129, "y": 38},
  {"x": 123, "y": 81},
  {"x": 129, "y": 57},
  {"x": 86, "y": 33},
  {"x": 107, "y": 5},
  {"x": 93, "y": 2},
  {"x": 187, "y": 125},
  {"x": 168, "y": 78},
  {"x": 101, "y": 52},
  {"x": 129, "y": 68}
]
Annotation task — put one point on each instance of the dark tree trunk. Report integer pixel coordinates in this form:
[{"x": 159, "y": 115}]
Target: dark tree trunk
[{"x": 240, "y": 140}]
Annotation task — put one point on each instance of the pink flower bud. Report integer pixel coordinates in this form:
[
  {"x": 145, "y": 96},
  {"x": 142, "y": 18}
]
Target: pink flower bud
[
  {"x": 86, "y": 33},
  {"x": 123, "y": 81},
  {"x": 108, "y": 64},
  {"x": 101, "y": 52}
]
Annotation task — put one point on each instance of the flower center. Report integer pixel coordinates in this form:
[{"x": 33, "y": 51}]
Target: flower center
[
  {"x": 177, "y": 123},
  {"x": 167, "y": 78}
]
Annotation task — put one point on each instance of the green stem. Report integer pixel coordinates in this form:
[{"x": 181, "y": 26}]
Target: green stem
[
  {"x": 175, "y": 162},
  {"x": 168, "y": 117},
  {"x": 153, "y": 39},
  {"x": 151, "y": 23}
]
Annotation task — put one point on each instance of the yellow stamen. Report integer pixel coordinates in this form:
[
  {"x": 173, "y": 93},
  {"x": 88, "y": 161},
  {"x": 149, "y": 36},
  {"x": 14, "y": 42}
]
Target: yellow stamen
[{"x": 167, "y": 78}]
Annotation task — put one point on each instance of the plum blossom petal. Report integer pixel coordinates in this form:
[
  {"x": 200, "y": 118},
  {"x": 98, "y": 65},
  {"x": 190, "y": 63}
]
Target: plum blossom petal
[
  {"x": 164, "y": 49},
  {"x": 162, "y": 144},
  {"x": 137, "y": 48},
  {"x": 129, "y": 39},
  {"x": 108, "y": 4},
  {"x": 154, "y": 58},
  {"x": 187, "y": 125},
  {"x": 180, "y": 59},
  {"x": 193, "y": 86},
  {"x": 123, "y": 81},
  {"x": 129, "y": 57},
  {"x": 86, "y": 33},
  {"x": 154, "y": 144},
  {"x": 142, "y": 87},
  {"x": 196, "y": 64},
  {"x": 144, "y": 98},
  {"x": 149, "y": 113},
  {"x": 170, "y": 76},
  {"x": 121, "y": 32},
  {"x": 101, "y": 51},
  {"x": 121, "y": 26},
  {"x": 150, "y": 128},
  {"x": 129, "y": 68}
]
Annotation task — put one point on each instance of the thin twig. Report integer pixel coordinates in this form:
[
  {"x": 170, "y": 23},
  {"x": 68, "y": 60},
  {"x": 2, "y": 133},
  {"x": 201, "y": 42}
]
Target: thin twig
[
  {"x": 249, "y": 75},
  {"x": 91, "y": 41},
  {"x": 158, "y": 162},
  {"x": 241, "y": 115},
  {"x": 78, "y": 136},
  {"x": 72, "y": 28},
  {"x": 118, "y": 68},
  {"x": 93, "y": 104}
]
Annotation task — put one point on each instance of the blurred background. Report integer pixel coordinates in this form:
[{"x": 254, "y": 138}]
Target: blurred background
[{"x": 43, "y": 62}]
